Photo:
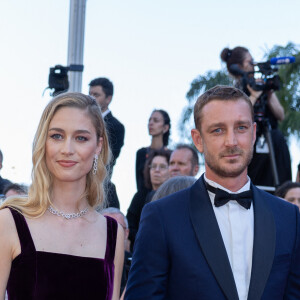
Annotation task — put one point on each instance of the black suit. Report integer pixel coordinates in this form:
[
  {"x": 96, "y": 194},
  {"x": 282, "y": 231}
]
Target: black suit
[
  {"x": 179, "y": 252},
  {"x": 116, "y": 133}
]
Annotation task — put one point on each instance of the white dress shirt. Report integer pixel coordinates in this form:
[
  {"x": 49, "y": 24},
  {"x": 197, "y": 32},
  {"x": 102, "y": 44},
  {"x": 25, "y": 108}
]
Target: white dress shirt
[
  {"x": 104, "y": 114},
  {"x": 236, "y": 224}
]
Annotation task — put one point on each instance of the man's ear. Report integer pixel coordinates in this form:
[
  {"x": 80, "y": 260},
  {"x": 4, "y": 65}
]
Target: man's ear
[
  {"x": 108, "y": 100},
  {"x": 195, "y": 170},
  {"x": 254, "y": 133},
  {"x": 197, "y": 139}
]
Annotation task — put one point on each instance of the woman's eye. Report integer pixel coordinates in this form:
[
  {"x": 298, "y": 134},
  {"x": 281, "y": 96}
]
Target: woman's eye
[
  {"x": 82, "y": 138},
  {"x": 56, "y": 136}
]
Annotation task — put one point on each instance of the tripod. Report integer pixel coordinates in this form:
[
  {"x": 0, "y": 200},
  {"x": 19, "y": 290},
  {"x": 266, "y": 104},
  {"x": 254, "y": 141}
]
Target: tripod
[{"x": 264, "y": 133}]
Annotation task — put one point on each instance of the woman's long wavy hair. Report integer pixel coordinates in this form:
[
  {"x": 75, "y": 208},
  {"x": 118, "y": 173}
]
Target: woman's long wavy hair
[{"x": 39, "y": 195}]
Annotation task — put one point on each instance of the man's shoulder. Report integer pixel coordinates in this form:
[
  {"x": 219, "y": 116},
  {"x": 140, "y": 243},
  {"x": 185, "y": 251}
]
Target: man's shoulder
[
  {"x": 173, "y": 201},
  {"x": 109, "y": 118},
  {"x": 275, "y": 203}
]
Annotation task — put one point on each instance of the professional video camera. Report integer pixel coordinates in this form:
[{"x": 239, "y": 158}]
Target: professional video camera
[{"x": 269, "y": 79}]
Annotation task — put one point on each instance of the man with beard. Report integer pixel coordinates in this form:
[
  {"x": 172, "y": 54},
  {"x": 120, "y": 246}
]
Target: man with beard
[{"x": 222, "y": 238}]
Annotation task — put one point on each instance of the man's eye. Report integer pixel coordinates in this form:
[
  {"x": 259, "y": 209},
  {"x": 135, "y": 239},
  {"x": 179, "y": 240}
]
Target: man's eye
[{"x": 217, "y": 130}]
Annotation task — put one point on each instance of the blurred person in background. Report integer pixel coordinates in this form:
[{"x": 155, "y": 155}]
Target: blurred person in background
[
  {"x": 155, "y": 174},
  {"x": 102, "y": 90},
  {"x": 173, "y": 185},
  {"x": 289, "y": 191},
  {"x": 159, "y": 126},
  {"x": 15, "y": 189},
  {"x": 184, "y": 161}
]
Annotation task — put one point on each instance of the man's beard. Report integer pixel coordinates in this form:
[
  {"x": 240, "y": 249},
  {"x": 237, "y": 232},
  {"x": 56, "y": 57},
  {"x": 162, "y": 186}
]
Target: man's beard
[{"x": 227, "y": 171}]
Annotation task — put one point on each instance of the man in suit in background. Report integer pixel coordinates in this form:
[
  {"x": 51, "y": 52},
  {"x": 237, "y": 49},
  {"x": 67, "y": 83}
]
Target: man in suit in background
[
  {"x": 184, "y": 161},
  {"x": 222, "y": 238},
  {"x": 102, "y": 90}
]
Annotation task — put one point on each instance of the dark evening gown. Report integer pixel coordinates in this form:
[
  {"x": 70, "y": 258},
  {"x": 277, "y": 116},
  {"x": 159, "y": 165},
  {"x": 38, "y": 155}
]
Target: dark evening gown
[{"x": 38, "y": 275}]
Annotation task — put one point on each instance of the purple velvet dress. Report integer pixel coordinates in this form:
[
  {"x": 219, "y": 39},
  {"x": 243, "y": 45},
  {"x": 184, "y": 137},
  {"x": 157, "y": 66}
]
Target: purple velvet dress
[{"x": 38, "y": 275}]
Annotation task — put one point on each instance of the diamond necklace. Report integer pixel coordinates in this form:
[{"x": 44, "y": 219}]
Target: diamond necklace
[{"x": 67, "y": 216}]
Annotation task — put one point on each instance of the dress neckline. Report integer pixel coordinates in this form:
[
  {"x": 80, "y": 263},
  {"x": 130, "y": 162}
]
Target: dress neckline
[{"x": 57, "y": 253}]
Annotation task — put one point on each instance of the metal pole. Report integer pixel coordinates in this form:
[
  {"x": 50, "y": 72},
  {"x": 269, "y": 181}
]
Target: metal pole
[{"x": 76, "y": 43}]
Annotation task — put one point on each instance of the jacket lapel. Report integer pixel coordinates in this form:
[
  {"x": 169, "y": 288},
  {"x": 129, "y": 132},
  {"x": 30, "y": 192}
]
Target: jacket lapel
[
  {"x": 210, "y": 239},
  {"x": 263, "y": 245}
]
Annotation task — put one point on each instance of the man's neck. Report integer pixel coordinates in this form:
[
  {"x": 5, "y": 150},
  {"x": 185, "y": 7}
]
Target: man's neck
[{"x": 230, "y": 183}]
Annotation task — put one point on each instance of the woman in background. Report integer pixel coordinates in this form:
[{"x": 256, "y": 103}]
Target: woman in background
[
  {"x": 156, "y": 172},
  {"x": 289, "y": 191},
  {"x": 159, "y": 129},
  {"x": 54, "y": 245}
]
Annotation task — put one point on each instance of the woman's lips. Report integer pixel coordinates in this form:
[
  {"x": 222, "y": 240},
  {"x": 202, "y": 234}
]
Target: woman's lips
[{"x": 67, "y": 163}]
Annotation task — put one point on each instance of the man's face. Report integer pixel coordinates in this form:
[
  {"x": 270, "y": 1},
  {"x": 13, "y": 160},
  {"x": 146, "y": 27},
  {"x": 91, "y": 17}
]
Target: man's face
[
  {"x": 98, "y": 93},
  {"x": 181, "y": 163},
  {"x": 226, "y": 138}
]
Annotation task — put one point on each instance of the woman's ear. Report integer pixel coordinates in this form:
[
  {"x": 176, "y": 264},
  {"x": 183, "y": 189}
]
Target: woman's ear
[
  {"x": 166, "y": 128},
  {"x": 99, "y": 146}
]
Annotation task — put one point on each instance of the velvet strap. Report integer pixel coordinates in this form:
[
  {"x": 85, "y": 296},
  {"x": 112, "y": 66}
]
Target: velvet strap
[
  {"x": 27, "y": 245},
  {"x": 112, "y": 231}
]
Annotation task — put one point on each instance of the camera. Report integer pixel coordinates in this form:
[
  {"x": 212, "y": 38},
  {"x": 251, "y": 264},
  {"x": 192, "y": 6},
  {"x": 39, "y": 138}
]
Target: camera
[{"x": 269, "y": 79}]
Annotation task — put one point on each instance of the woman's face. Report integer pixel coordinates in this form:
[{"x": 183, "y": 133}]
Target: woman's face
[
  {"x": 71, "y": 145},
  {"x": 159, "y": 171},
  {"x": 293, "y": 196},
  {"x": 156, "y": 124},
  {"x": 247, "y": 65}
]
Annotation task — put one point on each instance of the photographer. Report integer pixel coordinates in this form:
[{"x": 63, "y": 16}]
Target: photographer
[{"x": 260, "y": 168}]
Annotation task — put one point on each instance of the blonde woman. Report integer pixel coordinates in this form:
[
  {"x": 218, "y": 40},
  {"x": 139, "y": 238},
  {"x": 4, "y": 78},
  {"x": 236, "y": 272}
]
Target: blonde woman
[{"x": 54, "y": 245}]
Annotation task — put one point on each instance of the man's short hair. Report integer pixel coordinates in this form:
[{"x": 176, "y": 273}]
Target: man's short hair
[
  {"x": 1, "y": 157},
  {"x": 106, "y": 85},
  {"x": 195, "y": 158},
  {"x": 114, "y": 211},
  {"x": 222, "y": 93}
]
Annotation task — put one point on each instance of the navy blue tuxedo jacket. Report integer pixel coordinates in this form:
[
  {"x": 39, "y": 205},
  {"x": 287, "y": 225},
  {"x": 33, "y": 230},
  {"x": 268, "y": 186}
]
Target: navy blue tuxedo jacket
[{"x": 179, "y": 253}]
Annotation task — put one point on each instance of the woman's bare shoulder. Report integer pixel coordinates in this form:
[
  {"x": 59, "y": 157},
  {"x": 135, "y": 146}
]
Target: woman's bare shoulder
[
  {"x": 6, "y": 217},
  {"x": 8, "y": 229}
]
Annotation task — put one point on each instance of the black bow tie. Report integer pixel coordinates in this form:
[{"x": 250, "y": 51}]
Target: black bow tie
[{"x": 222, "y": 197}]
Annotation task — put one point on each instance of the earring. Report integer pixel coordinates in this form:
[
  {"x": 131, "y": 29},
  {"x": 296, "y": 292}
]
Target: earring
[{"x": 95, "y": 164}]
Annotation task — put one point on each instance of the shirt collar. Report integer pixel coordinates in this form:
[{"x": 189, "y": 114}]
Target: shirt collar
[
  {"x": 105, "y": 113},
  {"x": 246, "y": 187}
]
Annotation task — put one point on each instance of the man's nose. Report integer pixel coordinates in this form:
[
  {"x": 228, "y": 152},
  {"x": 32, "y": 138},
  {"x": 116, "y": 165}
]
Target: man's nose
[{"x": 230, "y": 138}]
